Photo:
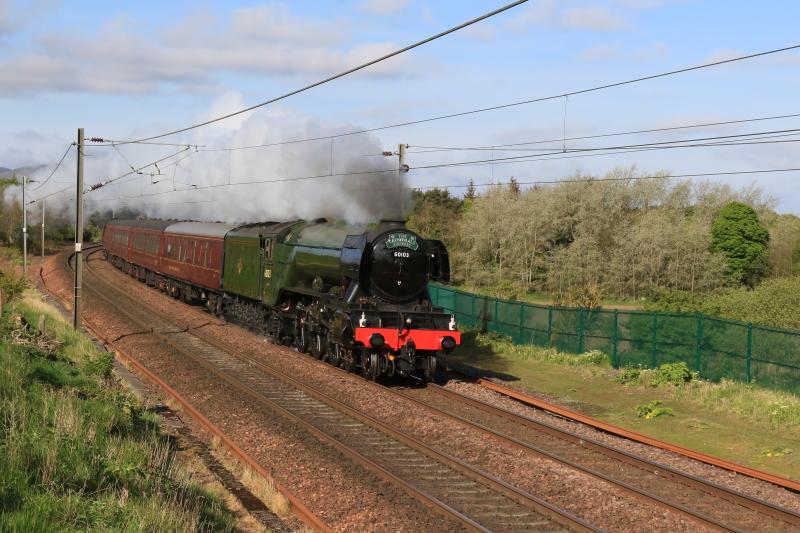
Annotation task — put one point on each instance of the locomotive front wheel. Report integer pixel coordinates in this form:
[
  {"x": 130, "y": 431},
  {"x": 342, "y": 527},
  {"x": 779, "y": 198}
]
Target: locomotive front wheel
[
  {"x": 318, "y": 345},
  {"x": 301, "y": 341},
  {"x": 370, "y": 366},
  {"x": 430, "y": 370}
]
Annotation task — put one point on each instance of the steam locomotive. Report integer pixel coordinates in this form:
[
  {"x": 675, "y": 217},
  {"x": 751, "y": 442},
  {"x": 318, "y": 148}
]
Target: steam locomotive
[{"x": 354, "y": 296}]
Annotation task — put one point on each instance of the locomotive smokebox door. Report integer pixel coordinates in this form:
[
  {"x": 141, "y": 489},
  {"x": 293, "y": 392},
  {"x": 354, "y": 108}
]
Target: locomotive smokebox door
[{"x": 400, "y": 266}]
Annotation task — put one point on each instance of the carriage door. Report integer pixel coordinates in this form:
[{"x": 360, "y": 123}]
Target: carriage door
[{"x": 266, "y": 269}]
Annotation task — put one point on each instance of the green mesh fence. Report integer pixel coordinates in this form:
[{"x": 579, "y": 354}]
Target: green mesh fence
[{"x": 715, "y": 347}]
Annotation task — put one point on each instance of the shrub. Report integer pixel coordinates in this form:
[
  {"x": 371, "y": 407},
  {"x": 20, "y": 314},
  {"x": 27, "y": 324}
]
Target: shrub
[
  {"x": 11, "y": 285},
  {"x": 630, "y": 374},
  {"x": 592, "y": 357},
  {"x": 652, "y": 410},
  {"x": 672, "y": 374}
]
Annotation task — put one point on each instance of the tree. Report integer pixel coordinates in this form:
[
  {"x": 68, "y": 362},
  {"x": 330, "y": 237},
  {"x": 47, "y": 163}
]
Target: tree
[
  {"x": 435, "y": 214},
  {"x": 741, "y": 238},
  {"x": 470, "y": 194}
]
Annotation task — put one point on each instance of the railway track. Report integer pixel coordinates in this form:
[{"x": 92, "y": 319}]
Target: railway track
[
  {"x": 474, "y": 499},
  {"x": 704, "y": 502}
]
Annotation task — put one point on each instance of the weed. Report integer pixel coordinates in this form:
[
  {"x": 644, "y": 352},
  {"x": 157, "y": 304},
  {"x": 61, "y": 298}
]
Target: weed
[
  {"x": 652, "y": 410},
  {"x": 672, "y": 374},
  {"x": 11, "y": 285},
  {"x": 777, "y": 451},
  {"x": 593, "y": 357},
  {"x": 629, "y": 375}
]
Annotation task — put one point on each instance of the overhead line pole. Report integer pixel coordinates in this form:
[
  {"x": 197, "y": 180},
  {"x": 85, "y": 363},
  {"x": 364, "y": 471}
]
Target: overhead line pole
[
  {"x": 42, "y": 232},
  {"x": 24, "y": 229},
  {"x": 76, "y": 321}
]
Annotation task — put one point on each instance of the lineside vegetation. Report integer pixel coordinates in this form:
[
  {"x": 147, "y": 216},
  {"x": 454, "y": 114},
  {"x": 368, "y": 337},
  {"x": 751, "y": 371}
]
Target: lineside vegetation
[
  {"x": 78, "y": 453},
  {"x": 629, "y": 241}
]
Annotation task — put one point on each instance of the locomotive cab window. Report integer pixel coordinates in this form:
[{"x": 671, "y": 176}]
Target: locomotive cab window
[{"x": 268, "y": 249}]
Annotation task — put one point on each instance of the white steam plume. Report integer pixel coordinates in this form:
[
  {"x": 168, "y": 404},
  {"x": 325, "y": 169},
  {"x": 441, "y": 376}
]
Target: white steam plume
[{"x": 358, "y": 198}]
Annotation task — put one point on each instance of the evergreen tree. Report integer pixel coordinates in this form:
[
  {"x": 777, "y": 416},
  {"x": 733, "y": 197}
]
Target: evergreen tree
[
  {"x": 470, "y": 194},
  {"x": 741, "y": 238}
]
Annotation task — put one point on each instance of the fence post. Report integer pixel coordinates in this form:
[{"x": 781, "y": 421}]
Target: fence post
[
  {"x": 615, "y": 340},
  {"x": 698, "y": 342},
  {"x": 521, "y": 323},
  {"x": 580, "y": 331},
  {"x": 474, "y": 315},
  {"x": 494, "y": 316},
  {"x": 654, "y": 343},
  {"x": 747, "y": 375},
  {"x": 550, "y": 326}
]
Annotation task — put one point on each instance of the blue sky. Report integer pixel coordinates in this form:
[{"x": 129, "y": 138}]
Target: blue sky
[{"x": 127, "y": 68}]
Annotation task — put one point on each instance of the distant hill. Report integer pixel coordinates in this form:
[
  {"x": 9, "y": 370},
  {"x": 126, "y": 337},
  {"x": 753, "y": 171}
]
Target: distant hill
[{"x": 21, "y": 171}]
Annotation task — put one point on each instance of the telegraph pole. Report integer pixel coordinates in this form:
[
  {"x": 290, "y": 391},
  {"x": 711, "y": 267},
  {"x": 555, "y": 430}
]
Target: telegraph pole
[
  {"x": 76, "y": 322},
  {"x": 42, "y": 232},
  {"x": 24, "y": 229},
  {"x": 402, "y": 168}
]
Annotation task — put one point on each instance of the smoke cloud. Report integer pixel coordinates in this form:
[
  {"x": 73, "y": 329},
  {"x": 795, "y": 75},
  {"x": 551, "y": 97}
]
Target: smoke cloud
[{"x": 314, "y": 186}]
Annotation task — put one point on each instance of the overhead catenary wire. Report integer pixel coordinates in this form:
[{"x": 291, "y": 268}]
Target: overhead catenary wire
[
  {"x": 662, "y": 176},
  {"x": 479, "y": 162},
  {"x": 616, "y": 178},
  {"x": 55, "y": 169},
  {"x": 495, "y": 107},
  {"x": 430, "y": 149},
  {"x": 335, "y": 76}
]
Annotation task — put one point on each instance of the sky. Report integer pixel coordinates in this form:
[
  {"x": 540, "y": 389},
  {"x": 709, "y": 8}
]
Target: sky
[{"x": 125, "y": 70}]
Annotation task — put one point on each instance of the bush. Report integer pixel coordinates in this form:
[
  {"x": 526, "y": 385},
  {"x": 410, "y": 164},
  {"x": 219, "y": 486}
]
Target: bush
[
  {"x": 672, "y": 374},
  {"x": 11, "y": 285},
  {"x": 630, "y": 374},
  {"x": 652, "y": 410},
  {"x": 593, "y": 357},
  {"x": 670, "y": 301}
]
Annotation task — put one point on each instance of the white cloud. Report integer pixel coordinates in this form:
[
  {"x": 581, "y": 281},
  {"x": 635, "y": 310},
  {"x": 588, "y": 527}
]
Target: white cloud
[
  {"x": 606, "y": 52},
  {"x": 480, "y": 32},
  {"x": 641, "y": 4},
  {"x": 383, "y": 7},
  {"x": 650, "y": 53},
  {"x": 547, "y": 13},
  {"x": 593, "y": 18},
  {"x": 600, "y": 52},
  {"x": 540, "y": 13},
  {"x": 262, "y": 41},
  {"x": 6, "y": 24},
  {"x": 723, "y": 55}
]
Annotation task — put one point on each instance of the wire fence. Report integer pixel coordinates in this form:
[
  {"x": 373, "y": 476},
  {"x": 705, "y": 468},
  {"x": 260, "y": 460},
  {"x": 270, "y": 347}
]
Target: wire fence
[{"x": 716, "y": 348}]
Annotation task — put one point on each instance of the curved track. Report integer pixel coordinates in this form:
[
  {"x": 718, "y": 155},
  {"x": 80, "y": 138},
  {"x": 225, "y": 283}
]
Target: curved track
[{"x": 472, "y": 498}]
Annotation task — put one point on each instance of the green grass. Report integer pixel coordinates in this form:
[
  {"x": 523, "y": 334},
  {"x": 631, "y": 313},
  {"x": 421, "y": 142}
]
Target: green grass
[
  {"x": 740, "y": 422},
  {"x": 77, "y": 452}
]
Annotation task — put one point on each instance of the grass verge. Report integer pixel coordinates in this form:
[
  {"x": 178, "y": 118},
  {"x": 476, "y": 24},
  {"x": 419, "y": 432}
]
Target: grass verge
[
  {"x": 78, "y": 453},
  {"x": 740, "y": 422}
]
